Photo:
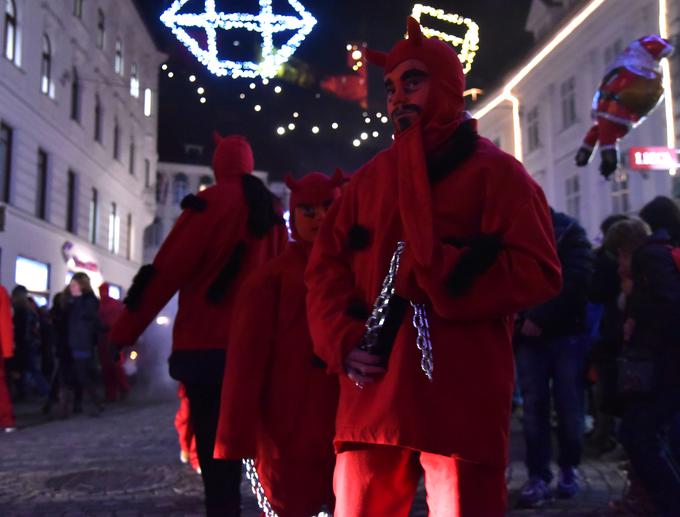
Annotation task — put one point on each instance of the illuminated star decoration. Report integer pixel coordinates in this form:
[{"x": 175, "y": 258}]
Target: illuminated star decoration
[
  {"x": 467, "y": 46},
  {"x": 265, "y": 22}
]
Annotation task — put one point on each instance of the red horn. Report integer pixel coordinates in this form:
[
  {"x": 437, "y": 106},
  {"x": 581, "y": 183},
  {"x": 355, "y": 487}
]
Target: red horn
[
  {"x": 375, "y": 57},
  {"x": 413, "y": 30},
  {"x": 290, "y": 181}
]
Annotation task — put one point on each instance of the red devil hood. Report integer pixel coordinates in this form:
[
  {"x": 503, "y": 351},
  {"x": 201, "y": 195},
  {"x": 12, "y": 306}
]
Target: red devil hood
[
  {"x": 233, "y": 157},
  {"x": 314, "y": 188}
]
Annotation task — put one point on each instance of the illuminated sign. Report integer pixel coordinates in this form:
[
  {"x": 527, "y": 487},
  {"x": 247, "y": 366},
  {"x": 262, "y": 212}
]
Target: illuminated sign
[
  {"x": 466, "y": 46},
  {"x": 653, "y": 158},
  {"x": 265, "y": 22}
]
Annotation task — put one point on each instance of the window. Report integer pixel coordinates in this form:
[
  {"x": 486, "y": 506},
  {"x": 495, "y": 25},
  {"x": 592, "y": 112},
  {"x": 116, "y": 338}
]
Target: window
[
  {"x": 131, "y": 163},
  {"x": 153, "y": 234},
  {"x": 6, "y": 134},
  {"x": 101, "y": 28},
  {"x": 118, "y": 57},
  {"x": 134, "y": 81},
  {"x": 71, "y": 203},
  {"x": 620, "y": 193},
  {"x": 78, "y": 8},
  {"x": 41, "y": 192},
  {"x": 204, "y": 182},
  {"x": 128, "y": 248},
  {"x": 161, "y": 189},
  {"x": 34, "y": 276},
  {"x": 10, "y": 44},
  {"x": 148, "y": 102},
  {"x": 93, "y": 220},
  {"x": 180, "y": 188},
  {"x": 533, "y": 130},
  {"x": 568, "y": 96},
  {"x": 147, "y": 172},
  {"x": 573, "y": 196},
  {"x": 46, "y": 66},
  {"x": 97, "y": 119},
  {"x": 75, "y": 96},
  {"x": 114, "y": 229},
  {"x": 116, "y": 140}
]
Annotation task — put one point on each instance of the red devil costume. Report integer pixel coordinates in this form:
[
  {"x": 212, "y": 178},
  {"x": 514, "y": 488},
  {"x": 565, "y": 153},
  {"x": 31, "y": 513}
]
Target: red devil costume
[
  {"x": 115, "y": 381},
  {"x": 479, "y": 247},
  {"x": 224, "y": 233},
  {"x": 630, "y": 90},
  {"x": 278, "y": 403},
  {"x": 6, "y": 351}
]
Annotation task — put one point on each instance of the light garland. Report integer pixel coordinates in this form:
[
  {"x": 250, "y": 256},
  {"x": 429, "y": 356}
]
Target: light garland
[
  {"x": 466, "y": 46},
  {"x": 265, "y": 22}
]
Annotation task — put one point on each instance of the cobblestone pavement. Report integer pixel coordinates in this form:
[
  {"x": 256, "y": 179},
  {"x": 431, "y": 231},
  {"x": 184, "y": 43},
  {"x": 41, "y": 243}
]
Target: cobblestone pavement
[{"x": 125, "y": 463}]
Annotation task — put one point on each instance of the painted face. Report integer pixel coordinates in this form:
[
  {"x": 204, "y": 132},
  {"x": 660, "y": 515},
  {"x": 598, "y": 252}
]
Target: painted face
[
  {"x": 74, "y": 288},
  {"x": 308, "y": 219},
  {"x": 408, "y": 88}
]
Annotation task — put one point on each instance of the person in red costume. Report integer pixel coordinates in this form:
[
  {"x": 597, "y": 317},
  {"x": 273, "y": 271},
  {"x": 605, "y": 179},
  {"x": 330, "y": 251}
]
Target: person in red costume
[
  {"x": 224, "y": 233},
  {"x": 7, "y": 422},
  {"x": 478, "y": 247},
  {"x": 115, "y": 381},
  {"x": 278, "y": 404},
  {"x": 185, "y": 431}
]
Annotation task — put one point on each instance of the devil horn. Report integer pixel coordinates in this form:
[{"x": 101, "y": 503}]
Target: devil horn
[
  {"x": 291, "y": 183},
  {"x": 413, "y": 30},
  {"x": 376, "y": 58}
]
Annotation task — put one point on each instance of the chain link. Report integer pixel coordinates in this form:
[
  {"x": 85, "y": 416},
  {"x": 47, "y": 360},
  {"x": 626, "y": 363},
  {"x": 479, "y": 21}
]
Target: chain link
[{"x": 423, "y": 341}]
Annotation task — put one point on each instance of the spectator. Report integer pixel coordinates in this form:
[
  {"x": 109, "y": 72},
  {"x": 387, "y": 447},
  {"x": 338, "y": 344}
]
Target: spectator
[
  {"x": 63, "y": 379},
  {"x": 83, "y": 327},
  {"x": 552, "y": 347}
]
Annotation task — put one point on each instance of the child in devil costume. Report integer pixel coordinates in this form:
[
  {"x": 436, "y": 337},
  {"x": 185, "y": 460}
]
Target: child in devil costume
[
  {"x": 278, "y": 404},
  {"x": 224, "y": 233},
  {"x": 478, "y": 247}
]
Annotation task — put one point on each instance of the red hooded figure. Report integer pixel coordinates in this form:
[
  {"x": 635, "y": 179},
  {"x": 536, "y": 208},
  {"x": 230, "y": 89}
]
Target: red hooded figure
[
  {"x": 477, "y": 247},
  {"x": 6, "y": 351},
  {"x": 278, "y": 403},
  {"x": 115, "y": 381},
  {"x": 224, "y": 233}
]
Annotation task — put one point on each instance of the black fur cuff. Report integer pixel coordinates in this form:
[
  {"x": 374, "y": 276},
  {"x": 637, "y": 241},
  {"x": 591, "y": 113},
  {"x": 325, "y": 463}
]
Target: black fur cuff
[
  {"x": 194, "y": 203},
  {"x": 358, "y": 238},
  {"x": 480, "y": 255},
  {"x": 139, "y": 283}
]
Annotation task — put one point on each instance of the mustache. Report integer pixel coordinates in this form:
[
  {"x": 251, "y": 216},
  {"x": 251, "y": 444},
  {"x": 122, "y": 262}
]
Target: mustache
[{"x": 406, "y": 109}]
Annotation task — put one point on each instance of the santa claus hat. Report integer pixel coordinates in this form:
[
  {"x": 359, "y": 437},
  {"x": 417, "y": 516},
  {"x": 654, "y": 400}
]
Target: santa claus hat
[
  {"x": 656, "y": 46},
  {"x": 232, "y": 157}
]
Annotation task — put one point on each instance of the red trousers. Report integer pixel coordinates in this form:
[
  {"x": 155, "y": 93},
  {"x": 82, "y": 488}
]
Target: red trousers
[
  {"x": 383, "y": 480},
  {"x": 6, "y": 412},
  {"x": 185, "y": 431},
  {"x": 606, "y": 132},
  {"x": 115, "y": 381}
]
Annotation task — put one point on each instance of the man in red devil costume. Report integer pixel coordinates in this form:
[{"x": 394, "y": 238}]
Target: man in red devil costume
[
  {"x": 224, "y": 233},
  {"x": 478, "y": 247},
  {"x": 278, "y": 404},
  {"x": 115, "y": 381},
  {"x": 7, "y": 422}
]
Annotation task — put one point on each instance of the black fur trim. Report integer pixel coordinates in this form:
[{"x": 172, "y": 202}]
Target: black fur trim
[
  {"x": 139, "y": 283},
  {"x": 358, "y": 238},
  {"x": 317, "y": 362},
  {"x": 218, "y": 289},
  {"x": 358, "y": 310},
  {"x": 194, "y": 203},
  {"x": 480, "y": 255},
  {"x": 458, "y": 148},
  {"x": 262, "y": 216}
]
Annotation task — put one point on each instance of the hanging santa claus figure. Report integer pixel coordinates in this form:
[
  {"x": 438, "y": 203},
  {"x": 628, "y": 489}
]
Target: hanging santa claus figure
[{"x": 631, "y": 88}]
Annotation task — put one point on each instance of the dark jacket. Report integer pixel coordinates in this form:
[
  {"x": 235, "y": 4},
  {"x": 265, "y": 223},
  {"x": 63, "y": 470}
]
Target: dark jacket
[
  {"x": 565, "y": 315},
  {"x": 655, "y": 306},
  {"x": 83, "y": 325},
  {"x": 605, "y": 290}
]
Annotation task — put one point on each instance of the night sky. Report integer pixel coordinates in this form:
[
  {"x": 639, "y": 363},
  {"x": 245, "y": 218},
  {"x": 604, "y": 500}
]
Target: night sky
[{"x": 184, "y": 120}]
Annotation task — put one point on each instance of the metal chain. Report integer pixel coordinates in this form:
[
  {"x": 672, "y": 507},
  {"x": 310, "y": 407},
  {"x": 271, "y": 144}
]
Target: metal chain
[{"x": 423, "y": 341}]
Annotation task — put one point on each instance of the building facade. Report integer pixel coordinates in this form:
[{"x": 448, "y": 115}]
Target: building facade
[
  {"x": 78, "y": 129},
  {"x": 541, "y": 112}
]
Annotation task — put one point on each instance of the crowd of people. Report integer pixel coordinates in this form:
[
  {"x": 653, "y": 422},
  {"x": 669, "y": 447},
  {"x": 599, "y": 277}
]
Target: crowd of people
[{"x": 61, "y": 354}]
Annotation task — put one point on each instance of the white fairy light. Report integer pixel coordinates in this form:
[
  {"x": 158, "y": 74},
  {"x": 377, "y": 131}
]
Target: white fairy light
[
  {"x": 335, "y": 125},
  {"x": 257, "y": 107},
  {"x": 202, "y": 100},
  {"x": 356, "y": 142},
  {"x": 281, "y": 130},
  {"x": 291, "y": 126},
  {"x": 200, "y": 90},
  {"x": 277, "y": 89},
  {"x": 171, "y": 75},
  {"x": 265, "y": 81},
  {"x": 367, "y": 120},
  {"x": 264, "y": 22},
  {"x": 348, "y": 47},
  {"x": 164, "y": 67},
  {"x": 384, "y": 119},
  {"x": 252, "y": 86},
  {"x": 378, "y": 114},
  {"x": 192, "y": 78},
  {"x": 242, "y": 96},
  {"x": 356, "y": 55},
  {"x": 364, "y": 136},
  {"x": 296, "y": 115},
  {"x": 375, "y": 134},
  {"x": 315, "y": 129}
]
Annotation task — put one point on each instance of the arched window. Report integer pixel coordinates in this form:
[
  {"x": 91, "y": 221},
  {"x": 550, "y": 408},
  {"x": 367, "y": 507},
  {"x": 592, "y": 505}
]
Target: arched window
[
  {"x": 46, "y": 66},
  {"x": 101, "y": 28},
  {"x": 10, "y": 46},
  {"x": 116, "y": 140},
  {"x": 134, "y": 81},
  {"x": 180, "y": 187},
  {"x": 97, "y": 119},
  {"x": 205, "y": 182},
  {"x": 118, "y": 57},
  {"x": 75, "y": 95},
  {"x": 133, "y": 152},
  {"x": 78, "y": 8}
]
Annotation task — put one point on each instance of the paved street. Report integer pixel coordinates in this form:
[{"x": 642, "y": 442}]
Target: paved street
[{"x": 125, "y": 463}]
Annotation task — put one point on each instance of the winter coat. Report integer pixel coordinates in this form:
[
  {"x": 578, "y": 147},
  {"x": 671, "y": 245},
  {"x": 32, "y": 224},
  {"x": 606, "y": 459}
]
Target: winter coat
[
  {"x": 565, "y": 315},
  {"x": 83, "y": 325},
  {"x": 491, "y": 253},
  {"x": 605, "y": 290}
]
